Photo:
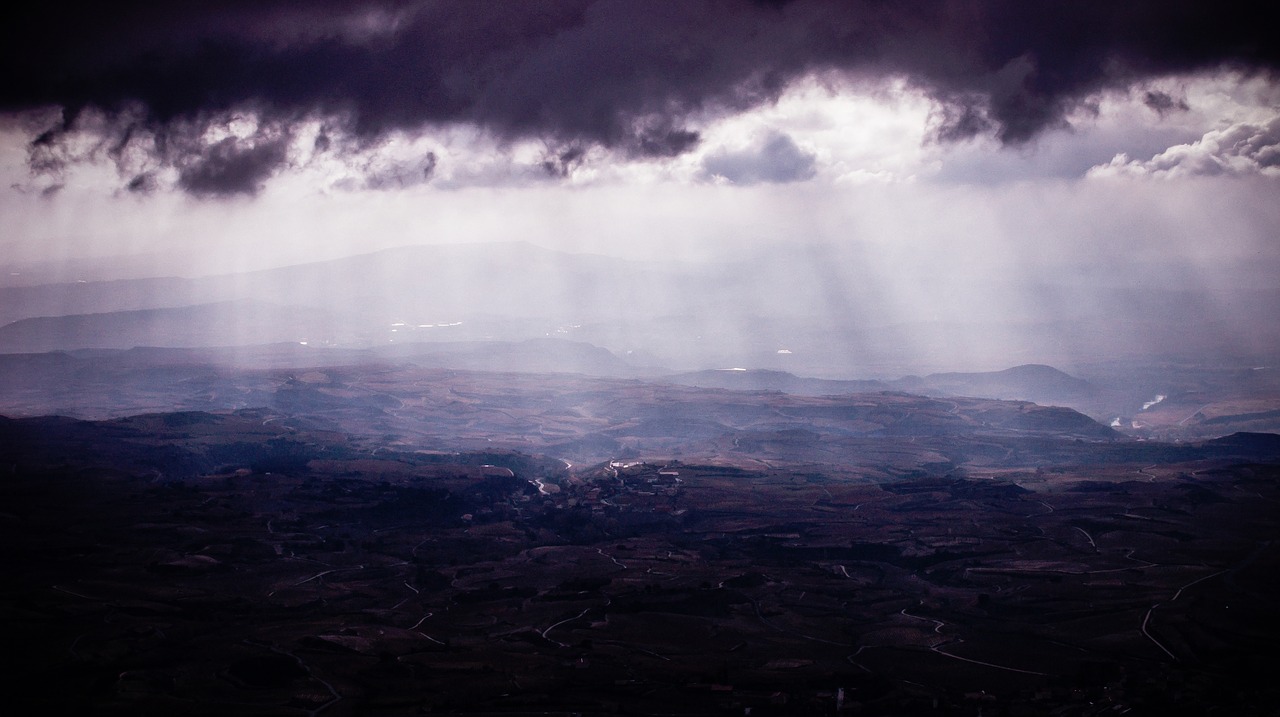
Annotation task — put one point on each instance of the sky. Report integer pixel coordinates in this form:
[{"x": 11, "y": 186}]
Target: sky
[{"x": 1086, "y": 144}]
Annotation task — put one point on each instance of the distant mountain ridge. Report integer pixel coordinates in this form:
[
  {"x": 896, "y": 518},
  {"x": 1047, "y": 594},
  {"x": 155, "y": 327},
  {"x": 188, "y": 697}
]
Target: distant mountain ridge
[{"x": 808, "y": 313}]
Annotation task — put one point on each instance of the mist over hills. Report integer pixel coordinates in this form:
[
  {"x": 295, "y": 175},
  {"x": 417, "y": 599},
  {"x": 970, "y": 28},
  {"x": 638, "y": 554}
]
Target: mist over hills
[
  {"x": 528, "y": 356},
  {"x": 1176, "y": 404},
  {"x": 805, "y": 312},
  {"x": 802, "y": 320},
  {"x": 240, "y": 322},
  {"x": 587, "y": 357},
  {"x": 1028, "y": 382}
]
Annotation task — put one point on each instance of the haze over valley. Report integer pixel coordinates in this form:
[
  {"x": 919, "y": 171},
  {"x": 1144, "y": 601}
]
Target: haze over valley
[{"x": 596, "y": 357}]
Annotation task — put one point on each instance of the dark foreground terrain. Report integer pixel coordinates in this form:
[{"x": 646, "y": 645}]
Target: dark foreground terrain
[{"x": 493, "y": 544}]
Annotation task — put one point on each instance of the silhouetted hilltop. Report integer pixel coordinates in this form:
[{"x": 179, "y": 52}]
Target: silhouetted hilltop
[
  {"x": 1029, "y": 382},
  {"x": 1260, "y": 445}
]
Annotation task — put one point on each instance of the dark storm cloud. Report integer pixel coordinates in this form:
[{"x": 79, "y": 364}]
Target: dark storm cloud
[
  {"x": 1164, "y": 103},
  {"x": 625, "y": 75},
  {"x": 400, "y": 174},
  {"x": 144, "y": 183},
  {"x": 231, "y": 166},
  {"x": 560, "y": 164}
]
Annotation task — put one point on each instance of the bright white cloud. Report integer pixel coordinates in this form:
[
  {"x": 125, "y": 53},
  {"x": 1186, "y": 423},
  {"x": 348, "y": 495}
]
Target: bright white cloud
[
  {"x": 856, "y": 131},
  {"x": 1241, "y": 149}
]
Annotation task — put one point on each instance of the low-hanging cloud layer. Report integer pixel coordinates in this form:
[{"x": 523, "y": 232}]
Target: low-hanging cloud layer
[
  {"x": 217, "y": 96},
  {"x": 976, "y": 183}
]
